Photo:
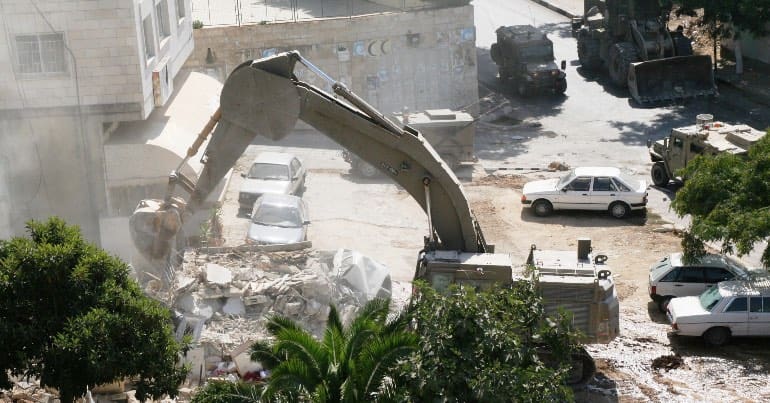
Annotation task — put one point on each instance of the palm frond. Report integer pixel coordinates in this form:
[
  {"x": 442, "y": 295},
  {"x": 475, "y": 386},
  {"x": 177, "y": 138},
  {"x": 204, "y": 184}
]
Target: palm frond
[
  {"x": 299, "y": 344},
  {"x": 375, "y": 310},
  {"x": 333, "y": 319},
  {"x": 262, "y": 352},
  {"x": 291, "y": 377},
  {"x": 381, "y": 355},
  {"x": 277, "y": 323}
]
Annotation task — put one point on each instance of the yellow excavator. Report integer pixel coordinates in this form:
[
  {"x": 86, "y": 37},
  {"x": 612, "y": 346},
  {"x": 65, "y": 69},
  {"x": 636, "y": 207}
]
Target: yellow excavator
[{"x": 265, "y": 98}]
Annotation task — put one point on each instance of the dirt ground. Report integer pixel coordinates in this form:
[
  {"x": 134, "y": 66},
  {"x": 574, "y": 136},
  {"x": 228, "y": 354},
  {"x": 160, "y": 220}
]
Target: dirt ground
[{"x": 645, "y": 363}]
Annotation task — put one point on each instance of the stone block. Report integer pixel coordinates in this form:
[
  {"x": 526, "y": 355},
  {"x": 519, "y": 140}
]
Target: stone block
[{"x": 217, "y": 274}]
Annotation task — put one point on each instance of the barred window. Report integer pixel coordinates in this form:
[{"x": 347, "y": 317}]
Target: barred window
[{"x": 43, "y": 53}]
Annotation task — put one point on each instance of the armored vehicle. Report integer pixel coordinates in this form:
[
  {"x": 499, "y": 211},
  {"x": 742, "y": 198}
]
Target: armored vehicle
[
  {"x": 631, "y": 38},
  {"x": 704, "y": 137},
  {"x": 524, "y": 58}
]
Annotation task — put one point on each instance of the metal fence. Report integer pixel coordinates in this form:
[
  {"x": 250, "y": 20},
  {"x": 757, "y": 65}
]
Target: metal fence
[{"x": 241, "y": 12}]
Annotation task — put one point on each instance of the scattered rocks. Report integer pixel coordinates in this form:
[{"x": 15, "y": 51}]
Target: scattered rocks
[{"x": 668, "y": 362}]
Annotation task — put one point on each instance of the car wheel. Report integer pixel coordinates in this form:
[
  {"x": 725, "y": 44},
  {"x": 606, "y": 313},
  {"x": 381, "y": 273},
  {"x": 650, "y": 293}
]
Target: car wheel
[
  {"x": 659, "y": 175},
  {"x": 542, "y": 208},
  {"x": 717, "y": 336},
  {"x": 663, "y": 304},
  {"x": 619, "y": 209}
]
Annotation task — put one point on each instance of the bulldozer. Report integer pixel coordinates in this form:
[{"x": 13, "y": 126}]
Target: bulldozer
[
  {"x": 705, "y": 137},
  {"x": 632, "y": 40}
]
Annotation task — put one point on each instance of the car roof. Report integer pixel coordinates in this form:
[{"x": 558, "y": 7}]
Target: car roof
[
  {"x": 597, "y": 171},
  {"x": 708, "y": 260},
  {"x": 759, "y": 286},
  {"x": 279, "y": 199},
  {"x": 270, "y": 157}
]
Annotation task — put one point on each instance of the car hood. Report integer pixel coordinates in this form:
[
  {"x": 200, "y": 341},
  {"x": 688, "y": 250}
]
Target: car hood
[
  {"x": 686, "y": 306},
  {"x": 261, "y": 186},
  {"x": 540, "y": 187},
  {"x": 268, "y": 234}
]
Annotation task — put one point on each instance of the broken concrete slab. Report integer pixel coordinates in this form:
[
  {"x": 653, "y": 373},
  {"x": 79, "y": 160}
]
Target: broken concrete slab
[{"x": 219, "y": 275}]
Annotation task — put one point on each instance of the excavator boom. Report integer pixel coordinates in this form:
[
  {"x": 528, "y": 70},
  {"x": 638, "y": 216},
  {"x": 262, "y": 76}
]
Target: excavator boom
[{"x": 264, "y": 98}]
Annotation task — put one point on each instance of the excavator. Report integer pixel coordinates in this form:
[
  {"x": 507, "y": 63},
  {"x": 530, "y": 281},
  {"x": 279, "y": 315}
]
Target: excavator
[{"x": 265, "y": 98}]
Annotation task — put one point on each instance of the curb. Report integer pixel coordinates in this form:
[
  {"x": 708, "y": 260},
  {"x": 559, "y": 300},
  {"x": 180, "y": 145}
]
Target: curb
[{"x": 555, "y": 8}]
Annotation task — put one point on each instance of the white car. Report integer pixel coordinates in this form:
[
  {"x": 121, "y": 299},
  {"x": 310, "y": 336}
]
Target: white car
[
  {"x": 587, "y": 188},
  {"x": 278, "y": 219},
  {"x": 271, "y": 172},
  {"x": 731, "y": 309},
  {"x": 670, "y": 277}
]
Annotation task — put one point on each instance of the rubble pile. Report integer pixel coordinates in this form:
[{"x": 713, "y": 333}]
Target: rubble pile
[{"x": 224, "y": 300}]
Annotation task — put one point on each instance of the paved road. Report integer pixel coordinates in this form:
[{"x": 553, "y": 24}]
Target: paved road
[{"x": 594, "y": 123}]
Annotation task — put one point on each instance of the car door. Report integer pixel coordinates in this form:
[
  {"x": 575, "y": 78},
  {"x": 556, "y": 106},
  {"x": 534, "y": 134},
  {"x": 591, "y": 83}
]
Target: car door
[
  {"x": 603, "y": 192},
  {"x": 759, "y": 316},
  {"x": 682, "y": 282},
  {"x": 576, "y": 194},
  {"x": 713, "y": 275},
  {"x": 735, "y": 316}
]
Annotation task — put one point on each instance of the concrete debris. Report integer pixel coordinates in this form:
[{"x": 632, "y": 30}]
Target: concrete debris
[
  {"x": 558, "y": 166},
  {"x": 224, "y": 300}
]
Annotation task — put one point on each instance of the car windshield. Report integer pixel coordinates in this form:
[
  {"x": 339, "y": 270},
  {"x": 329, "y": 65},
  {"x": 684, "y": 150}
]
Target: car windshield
[
  {"x": 277, "y": 216},
  {"x": 740, "y": 270},
  {"x": 537, "y": 52},
  {"x": 709, "y": 298},
  {"x": 566, "y": 179},
  {"x": 269, "y": 171}
]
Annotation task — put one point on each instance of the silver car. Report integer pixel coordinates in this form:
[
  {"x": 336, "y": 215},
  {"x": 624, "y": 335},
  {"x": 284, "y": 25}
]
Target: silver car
[
  {"x": 271, "y": 172},
  {"x": 278, "y": 219}
]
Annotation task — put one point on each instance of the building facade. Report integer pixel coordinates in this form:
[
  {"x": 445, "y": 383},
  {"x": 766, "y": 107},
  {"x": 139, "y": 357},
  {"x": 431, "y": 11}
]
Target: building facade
[{"x": 76, "y": 70}]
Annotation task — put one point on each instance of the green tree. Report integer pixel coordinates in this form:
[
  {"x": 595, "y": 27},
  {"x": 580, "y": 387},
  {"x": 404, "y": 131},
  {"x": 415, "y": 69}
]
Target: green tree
[
  {"x": 228, "y": 392},
  {"x": 71, "y": 315},
  {"x": 487, "y": 347},
  {"x": 350, "y": 364},
  {"x": 728, "y": 198},
  {"x": 725, "y": 19}
]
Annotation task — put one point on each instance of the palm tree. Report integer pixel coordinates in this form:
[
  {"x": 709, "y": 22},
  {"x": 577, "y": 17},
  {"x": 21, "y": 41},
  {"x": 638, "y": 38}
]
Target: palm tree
[{"x": 352, "y": 364}]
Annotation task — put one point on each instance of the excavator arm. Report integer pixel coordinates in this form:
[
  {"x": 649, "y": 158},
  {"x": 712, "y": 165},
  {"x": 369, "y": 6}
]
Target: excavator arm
[{"x": 265, "y": 98}]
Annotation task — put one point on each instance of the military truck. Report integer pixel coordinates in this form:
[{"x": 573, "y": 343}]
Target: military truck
[
  {"x": 631, "y": 38},
  {"x": 579, "y": 283},
  {"x": 524, "y": 58},
  {"x": 450, "y": 132},
  {"x": 706, "y": 136}
]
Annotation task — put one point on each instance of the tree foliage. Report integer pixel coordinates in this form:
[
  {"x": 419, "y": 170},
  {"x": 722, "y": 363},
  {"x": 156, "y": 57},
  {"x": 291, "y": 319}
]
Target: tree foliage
[
  {"x": 487, "y": 347},
  {"x": 728, "y": 197},
  {"x": 720, "y": 16},
  {"x": 350, "y": 364},
  {"x": 71, "y": 315}
]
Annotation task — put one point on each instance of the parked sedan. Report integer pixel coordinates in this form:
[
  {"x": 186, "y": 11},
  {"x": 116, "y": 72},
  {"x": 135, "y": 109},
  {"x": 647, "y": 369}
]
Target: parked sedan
[
  {"x": 278, "y": 219},
  {"x": 587, "y": 188},
  {"x": 271, "y": 172},
  {"x": 733, "y": 308},
  {"x": 670, "y": 277}
]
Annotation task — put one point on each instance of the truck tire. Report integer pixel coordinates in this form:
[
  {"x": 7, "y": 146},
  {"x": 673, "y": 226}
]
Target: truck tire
[
  {"x": 663, "y": 303},
  {"x": 561, "y": 87},
  {"x": 495, "y": 54},
  {"x": 659, "y": 175},
  {"x": 582, "y": 371},
  {"x": 622, "y": 54},
  {"x": 588, "y": 51}
]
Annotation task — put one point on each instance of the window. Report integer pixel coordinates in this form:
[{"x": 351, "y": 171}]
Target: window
[
  {"x": 580, "y": 184},
  {"x": 604, "y": 185},
  {"x": 717, "y": 274},
  {"x": 690, "y": 275},
  {"x": 180, "y": 9},
  {"x": 621, "y": 186},
  {"x": 755, "y": 304},
  {"x": 671, "y": 276},
  {"x": 678, "y": 143},
  {"x": 42, "y": 53},
  {"x": 161, "y": 11},
  {"x": 149, "y": 41},
  {"x": 738, "y": 305}
]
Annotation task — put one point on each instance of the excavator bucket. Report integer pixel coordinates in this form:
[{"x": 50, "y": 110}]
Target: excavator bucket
[
  {"x": 671, "y": 78},
  {"x": 154, "y": 226}
]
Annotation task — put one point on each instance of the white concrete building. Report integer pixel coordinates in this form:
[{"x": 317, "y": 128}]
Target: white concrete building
[{"x": 73, "y": 73}]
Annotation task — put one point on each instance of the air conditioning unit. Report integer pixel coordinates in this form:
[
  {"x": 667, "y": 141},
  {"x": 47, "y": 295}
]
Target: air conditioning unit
[{"x": 162, "y": 82}]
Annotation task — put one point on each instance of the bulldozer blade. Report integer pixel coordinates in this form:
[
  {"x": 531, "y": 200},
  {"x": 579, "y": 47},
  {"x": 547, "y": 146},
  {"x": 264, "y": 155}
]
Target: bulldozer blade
[{"x": 671, "y": 78}]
